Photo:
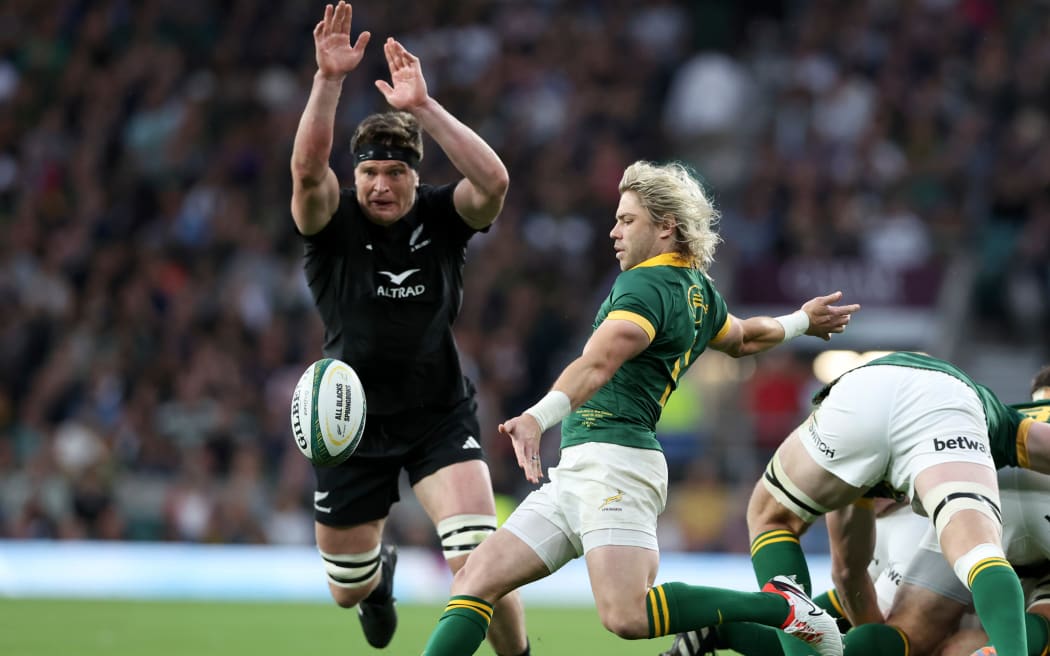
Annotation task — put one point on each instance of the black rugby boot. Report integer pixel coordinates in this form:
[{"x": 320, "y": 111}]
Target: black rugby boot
[
  {"x": 376, "y": 611},
  {"x": 693, "y": 643}
]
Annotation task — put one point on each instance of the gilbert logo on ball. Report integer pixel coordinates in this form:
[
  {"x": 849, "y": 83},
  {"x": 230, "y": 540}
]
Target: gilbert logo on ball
[{"x": 328, "y": 412}]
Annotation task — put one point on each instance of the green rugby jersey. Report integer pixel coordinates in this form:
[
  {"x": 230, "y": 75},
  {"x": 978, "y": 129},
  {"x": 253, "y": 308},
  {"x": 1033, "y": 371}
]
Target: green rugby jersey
[
  {"x": 1007, "y": 424},
  {"x": 681, "y": 311}
]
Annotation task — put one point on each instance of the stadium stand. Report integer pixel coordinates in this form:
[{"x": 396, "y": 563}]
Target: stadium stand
[{"x": 155, "y": 316}]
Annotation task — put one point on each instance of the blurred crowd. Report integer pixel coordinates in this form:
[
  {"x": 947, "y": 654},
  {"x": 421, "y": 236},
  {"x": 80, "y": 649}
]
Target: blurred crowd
[{"x": 153, "y": 312}]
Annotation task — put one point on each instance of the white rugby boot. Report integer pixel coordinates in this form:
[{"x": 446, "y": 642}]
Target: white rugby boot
[{"x": 806, "y": 621}]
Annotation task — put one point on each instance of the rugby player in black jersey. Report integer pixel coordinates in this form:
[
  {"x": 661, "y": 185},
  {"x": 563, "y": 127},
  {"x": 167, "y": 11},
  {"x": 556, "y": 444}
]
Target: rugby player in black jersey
[{"x": 384, "y": 262}]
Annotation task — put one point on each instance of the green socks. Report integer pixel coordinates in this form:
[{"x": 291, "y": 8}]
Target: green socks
[
  {"x": 875, "y": 640},
  {"x": 677, "y": 607},
  {"x": 750, "y": 639},
  {"x": 829, "y": 601},
  {"x": 779, "y": 552},
  {"x": 999, "y": 601},
  {"x": 462, "y": 627},
  {"x": 1038, "y": 631}
]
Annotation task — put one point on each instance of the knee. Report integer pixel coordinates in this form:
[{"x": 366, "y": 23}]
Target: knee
[
  {"x": 626, "y": 624},
  {"x": 478, "y": 580},
  {"x": 484, "y": 574},
  {"x": 352, "y": 577},
  {"x": 775, "y": 516},
  {"x": 468, "y": 579},
  {"x": 765, "y": 513},
  {"x": 461, "y": 578}
]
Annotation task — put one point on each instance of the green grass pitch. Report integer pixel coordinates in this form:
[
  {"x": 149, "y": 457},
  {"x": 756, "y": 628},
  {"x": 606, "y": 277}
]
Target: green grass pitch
[{"x": 45, "y": 627}]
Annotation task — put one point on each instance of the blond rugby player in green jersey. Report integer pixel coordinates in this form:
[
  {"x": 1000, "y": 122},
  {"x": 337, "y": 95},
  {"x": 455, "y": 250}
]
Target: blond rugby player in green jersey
[{"x": 604, "y": 496}]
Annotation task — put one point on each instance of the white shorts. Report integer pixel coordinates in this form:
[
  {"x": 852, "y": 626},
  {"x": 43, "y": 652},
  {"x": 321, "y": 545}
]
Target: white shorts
[
  {"x": 1025, "y": 499},
  {"x": 599, "y": 494},
  {"x": 897, "y": 538},
  {"x": 888, "y": 423}
]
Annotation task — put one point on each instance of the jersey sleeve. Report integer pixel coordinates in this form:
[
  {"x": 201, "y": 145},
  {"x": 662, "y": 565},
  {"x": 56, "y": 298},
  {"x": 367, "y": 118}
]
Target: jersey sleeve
[
  {"x": 1034, "y": 410},
  {"x": 1025, "y": 415},
  {"x": 638, "y": 299},
  {"x": 336, "y": 231},
  {"x": 719, "y": 314},
  {"x": 438, "y": 205}
]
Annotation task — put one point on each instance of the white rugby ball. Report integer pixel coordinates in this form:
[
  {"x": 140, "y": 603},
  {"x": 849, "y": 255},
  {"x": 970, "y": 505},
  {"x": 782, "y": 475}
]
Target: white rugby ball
[{"x": 328, "y": 412}]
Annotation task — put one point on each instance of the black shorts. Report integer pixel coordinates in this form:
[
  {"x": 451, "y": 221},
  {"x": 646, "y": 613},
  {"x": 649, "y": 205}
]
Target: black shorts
[{"x": 363, "y": 488}]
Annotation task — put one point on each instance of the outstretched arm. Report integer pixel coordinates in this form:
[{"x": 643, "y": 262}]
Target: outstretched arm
[
  {"x": 315, "y": 189},
  {"x": 479, "y": 196},
  {"x": 614, "y": 342},
  {"x": 757, "y": 334}
]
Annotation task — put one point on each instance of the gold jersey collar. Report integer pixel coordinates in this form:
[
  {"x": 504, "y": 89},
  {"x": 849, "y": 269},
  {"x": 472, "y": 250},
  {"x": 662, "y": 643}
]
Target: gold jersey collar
[{"x": 666, "y": 259}]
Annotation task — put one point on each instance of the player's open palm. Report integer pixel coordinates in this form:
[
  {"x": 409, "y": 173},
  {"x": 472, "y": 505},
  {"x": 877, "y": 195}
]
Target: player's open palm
[
  {"x": 409, "y": 88},
  {"x": 825, "y": 318},
  {"x": 524, "y": 432},
  {"x": 335, "y": 56}
]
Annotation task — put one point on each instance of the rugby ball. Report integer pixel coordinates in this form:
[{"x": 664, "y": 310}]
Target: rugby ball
[{"x": 328, "y": 412}]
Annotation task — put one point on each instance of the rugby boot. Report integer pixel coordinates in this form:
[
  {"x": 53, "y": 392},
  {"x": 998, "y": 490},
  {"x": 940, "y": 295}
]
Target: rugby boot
[
  {"x": 693, "y": 643},
  {"x": 806, "y": 621},
  {"x": 377, "y": 611}
]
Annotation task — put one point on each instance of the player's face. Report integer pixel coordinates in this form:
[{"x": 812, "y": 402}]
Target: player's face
[
  {"x": 635, "y": 237},
  {"x": 386, "y": 189}
]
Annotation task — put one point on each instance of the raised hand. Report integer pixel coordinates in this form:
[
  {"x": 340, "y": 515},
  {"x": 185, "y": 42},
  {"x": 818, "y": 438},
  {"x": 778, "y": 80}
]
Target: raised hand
[
  {"x": 825, "y": 318},
  {"x": 409, "y": 88},
  {"x": 524, "y": 433},
  {"x": 335, "y": 56}
]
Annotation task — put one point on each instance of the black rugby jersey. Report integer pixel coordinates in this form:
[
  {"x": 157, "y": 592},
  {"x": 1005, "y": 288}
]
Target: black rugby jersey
[{"x": 388, "y": 297}]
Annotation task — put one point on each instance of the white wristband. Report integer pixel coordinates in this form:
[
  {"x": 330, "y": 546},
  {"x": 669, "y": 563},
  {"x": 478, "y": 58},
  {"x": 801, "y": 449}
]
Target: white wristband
[
  {"x": 551, "y": 409},
  {"x": 794, "y": 324}
]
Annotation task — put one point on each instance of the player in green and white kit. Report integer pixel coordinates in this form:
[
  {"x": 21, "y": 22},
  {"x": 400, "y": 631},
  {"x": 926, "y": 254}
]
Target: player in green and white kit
[
  {"x": 604, "y": 496},
  {"x": 922, "y": 427},
  {"x": 933, "y": 599},
  {"x": 923, "y": 599},
  {"x": 665, "y": 292}
]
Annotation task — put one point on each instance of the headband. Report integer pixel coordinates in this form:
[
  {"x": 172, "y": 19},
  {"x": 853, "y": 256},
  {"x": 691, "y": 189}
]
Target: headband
[{"x": 371, "y": 151}]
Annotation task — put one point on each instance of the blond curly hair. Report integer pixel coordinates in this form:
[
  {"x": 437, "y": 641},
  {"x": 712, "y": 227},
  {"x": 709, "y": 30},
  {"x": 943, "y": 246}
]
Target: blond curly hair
[{"x": 670, "y": 191}]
